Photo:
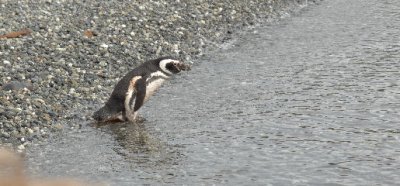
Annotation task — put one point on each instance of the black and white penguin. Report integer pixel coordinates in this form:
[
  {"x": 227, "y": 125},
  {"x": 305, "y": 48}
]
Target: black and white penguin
[{"x": 136, "y": 87}]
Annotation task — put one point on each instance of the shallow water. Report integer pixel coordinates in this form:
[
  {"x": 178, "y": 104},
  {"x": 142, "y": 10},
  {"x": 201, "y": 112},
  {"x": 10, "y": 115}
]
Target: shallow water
[{"x": 311, "y": 100}]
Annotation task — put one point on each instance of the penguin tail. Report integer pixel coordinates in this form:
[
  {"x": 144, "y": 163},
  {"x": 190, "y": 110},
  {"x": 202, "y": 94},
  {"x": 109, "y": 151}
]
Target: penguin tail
[
  {"x": 106, "y": 114},
  {"x": 101, "y": 114}
]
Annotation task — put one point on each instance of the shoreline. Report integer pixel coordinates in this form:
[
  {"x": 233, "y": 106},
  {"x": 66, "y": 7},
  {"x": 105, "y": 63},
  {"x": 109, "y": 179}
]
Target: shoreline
[{"x": 67, "y": 66}]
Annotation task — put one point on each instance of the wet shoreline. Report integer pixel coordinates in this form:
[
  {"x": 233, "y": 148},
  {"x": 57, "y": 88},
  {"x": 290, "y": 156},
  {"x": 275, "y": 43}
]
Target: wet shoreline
[
  {"x": 309, "y": 100},
  {"x": 66, "y": 66}
]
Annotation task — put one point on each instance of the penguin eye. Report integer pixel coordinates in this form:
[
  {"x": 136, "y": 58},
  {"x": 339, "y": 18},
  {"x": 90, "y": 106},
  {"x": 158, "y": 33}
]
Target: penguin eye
[{"x": 172, "y": 68}]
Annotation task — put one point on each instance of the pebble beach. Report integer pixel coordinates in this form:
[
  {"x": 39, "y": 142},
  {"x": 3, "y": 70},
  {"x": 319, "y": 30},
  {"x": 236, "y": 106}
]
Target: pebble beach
[{"x": 57, "y": 74}]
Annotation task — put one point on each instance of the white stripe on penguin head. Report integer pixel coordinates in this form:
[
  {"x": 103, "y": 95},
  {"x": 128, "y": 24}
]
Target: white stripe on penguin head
[{"x": 163, "y": 65}]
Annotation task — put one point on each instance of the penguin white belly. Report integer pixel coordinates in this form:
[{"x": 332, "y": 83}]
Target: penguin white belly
[{"x": 153, "y": 87}]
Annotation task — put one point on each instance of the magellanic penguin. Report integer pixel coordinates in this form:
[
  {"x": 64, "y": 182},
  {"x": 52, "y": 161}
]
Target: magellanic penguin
[{"x": 136, "y": 87}]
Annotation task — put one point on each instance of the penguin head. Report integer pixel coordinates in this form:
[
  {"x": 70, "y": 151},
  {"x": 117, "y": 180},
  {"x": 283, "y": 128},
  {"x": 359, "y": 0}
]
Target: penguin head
[{"x": 172, "y": 66}]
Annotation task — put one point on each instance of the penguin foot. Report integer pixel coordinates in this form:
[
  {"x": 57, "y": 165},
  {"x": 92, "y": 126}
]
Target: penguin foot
[
  {"x": 135, "y": 118},
  {"x": 140, "y": 119}
]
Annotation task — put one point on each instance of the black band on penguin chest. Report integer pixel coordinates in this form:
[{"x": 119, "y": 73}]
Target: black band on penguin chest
[{"x": 148, "y": 82}]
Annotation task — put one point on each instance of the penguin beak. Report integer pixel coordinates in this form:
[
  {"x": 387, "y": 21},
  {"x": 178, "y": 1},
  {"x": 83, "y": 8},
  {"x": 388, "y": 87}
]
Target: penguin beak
[{"x": 182, "y": 66}]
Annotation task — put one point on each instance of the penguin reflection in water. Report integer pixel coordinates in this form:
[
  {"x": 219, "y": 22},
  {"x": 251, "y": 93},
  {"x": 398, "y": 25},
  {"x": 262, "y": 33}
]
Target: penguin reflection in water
[{"x": 136, "y": 87}]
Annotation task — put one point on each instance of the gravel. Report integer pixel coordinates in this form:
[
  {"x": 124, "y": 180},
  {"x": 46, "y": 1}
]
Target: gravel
[{"x": 55, "y": 77}]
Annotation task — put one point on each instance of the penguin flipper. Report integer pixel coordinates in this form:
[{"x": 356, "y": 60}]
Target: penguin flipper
[
  {"x": 137, "y": 92},
  {"x": 140, "y": 93}
]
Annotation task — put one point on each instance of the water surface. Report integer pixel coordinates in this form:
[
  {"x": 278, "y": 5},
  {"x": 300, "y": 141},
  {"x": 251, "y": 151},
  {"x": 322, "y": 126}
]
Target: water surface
[{"x": 310, "y": 100}]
